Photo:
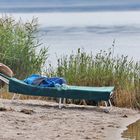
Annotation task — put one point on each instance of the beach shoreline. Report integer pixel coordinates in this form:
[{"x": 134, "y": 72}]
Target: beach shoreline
[{"x": 41, "y": 120}]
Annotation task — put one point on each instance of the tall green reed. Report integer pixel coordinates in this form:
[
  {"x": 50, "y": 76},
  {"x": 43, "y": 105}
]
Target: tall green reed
[
  {"x": 103, "y": 69},
  {"x": 18, "y": 45}
]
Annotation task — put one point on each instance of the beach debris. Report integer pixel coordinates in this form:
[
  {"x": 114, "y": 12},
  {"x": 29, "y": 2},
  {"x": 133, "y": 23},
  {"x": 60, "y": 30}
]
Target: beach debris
[
  {"x": 6, "y": 109},
  {"x": 27, "y": 111},
  {"x": 106, "y": 110},
  {"x": 10, "y": 109},
  {"x": 19, "y": 133},
  {"x": 111, "y": 125},
  {"x": 58, "y": 136},
  {"x": 125, "y": 116},
  {"x": 102, "y": 128},
  {"x": 87, "y": 137},
  {"x": 3, "y": 109}
]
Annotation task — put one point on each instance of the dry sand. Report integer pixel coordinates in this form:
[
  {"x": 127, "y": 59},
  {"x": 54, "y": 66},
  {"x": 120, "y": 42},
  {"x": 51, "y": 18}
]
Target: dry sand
[{"x": 41, "y": 120}]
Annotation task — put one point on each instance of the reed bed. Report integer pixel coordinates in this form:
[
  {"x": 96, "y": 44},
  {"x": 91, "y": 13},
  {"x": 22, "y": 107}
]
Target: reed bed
[
  {"x": 19, "y": 45},
  {"x": 103, "y": 69},
  {"x": 20, "y": 49}
]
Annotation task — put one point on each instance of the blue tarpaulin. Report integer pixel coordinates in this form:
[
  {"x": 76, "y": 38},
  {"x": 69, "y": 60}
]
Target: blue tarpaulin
[{"x": 44, "y": 81}]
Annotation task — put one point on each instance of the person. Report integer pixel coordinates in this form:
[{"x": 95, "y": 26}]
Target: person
[{"x": 6, "y": 71}]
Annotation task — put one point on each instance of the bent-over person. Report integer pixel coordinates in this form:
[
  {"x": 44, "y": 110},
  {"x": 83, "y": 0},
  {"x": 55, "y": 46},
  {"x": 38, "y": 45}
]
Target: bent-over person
[{"x": 6, "y": 71}]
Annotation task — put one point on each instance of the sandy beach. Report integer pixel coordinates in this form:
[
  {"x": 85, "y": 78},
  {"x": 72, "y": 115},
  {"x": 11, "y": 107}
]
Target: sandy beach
[{"x": 41, "y": 120}]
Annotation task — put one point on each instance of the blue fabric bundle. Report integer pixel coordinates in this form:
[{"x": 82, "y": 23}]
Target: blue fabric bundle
[{"x": 44, "y": 81}]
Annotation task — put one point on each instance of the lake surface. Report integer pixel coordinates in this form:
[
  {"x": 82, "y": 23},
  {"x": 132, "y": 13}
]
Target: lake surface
[{"x": 66, "y": 25}]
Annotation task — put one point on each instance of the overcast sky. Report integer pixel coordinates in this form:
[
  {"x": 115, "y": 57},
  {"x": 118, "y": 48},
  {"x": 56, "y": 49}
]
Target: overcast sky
[{"x": 71, "y": 2}]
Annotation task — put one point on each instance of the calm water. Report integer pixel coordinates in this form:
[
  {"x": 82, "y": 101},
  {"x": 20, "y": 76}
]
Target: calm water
[
  {"x": 132, "y": 132},
  {"x": 68, "y": 5},
  {"x": 66, "y": 25}
]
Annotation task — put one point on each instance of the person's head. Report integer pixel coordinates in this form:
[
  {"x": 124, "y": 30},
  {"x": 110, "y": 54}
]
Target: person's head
[{"x": 5, "y": 70}]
